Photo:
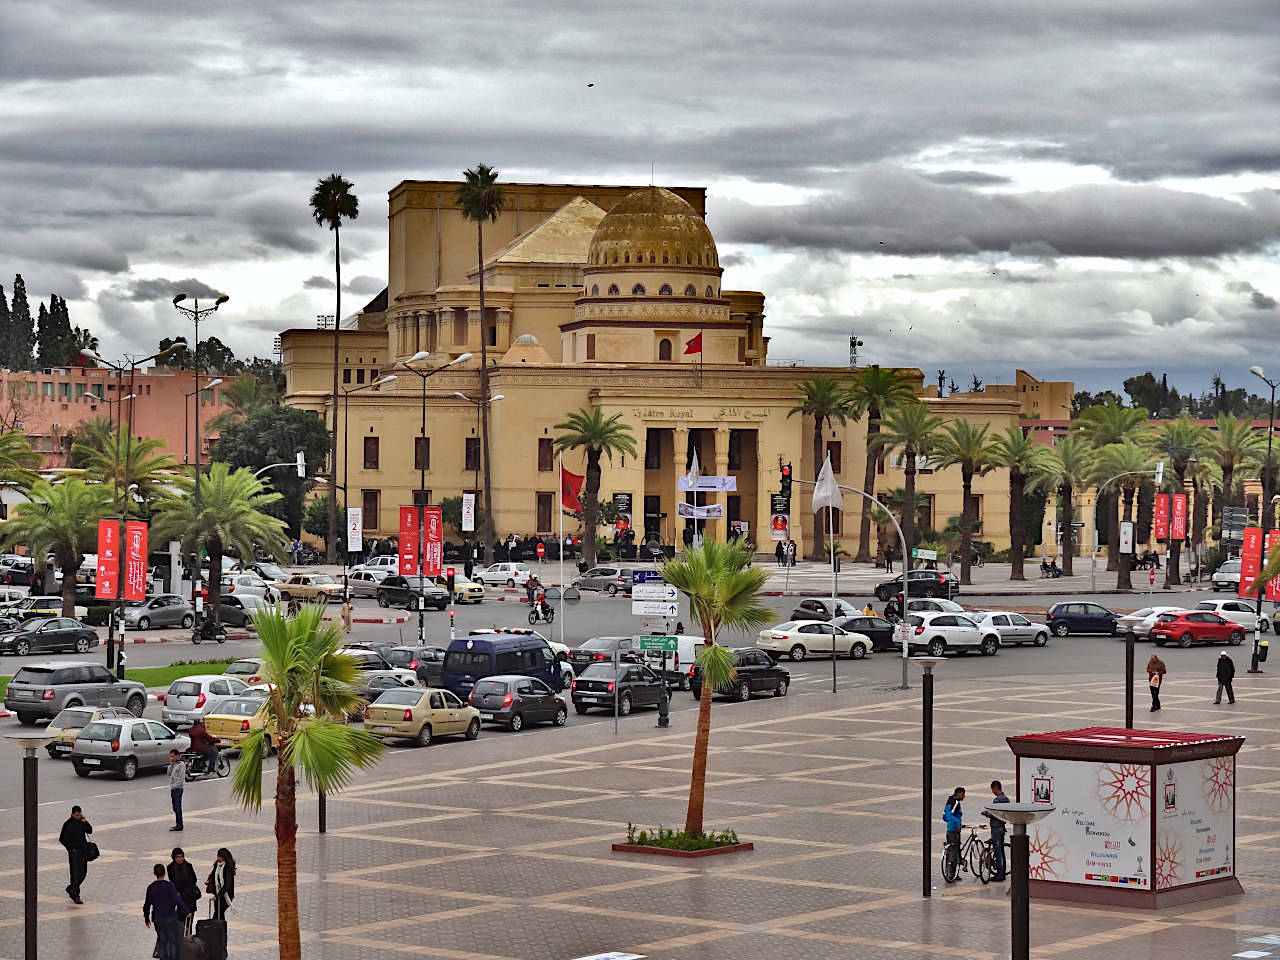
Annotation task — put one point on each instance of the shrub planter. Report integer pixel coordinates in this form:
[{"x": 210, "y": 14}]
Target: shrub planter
[
  {"x": 689, "y": 854},
  {"x": 672, "y": 843}
]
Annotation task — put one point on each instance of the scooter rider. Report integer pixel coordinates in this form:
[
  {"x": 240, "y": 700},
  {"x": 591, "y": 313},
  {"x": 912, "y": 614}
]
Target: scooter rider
[{"x": 204, "y": 745}]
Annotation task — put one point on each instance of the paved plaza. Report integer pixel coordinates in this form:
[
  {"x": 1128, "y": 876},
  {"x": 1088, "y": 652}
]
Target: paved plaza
[{"x": 500, "y": 848}]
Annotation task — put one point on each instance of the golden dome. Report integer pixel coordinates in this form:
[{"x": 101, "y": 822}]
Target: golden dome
[{"x": 653, "y": 226}]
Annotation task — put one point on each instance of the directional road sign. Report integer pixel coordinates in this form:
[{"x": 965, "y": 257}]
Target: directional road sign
[
  {"x": 655, "y": 608},
  {"x": 663, "y": 644},
  {"x": 653, "y": 591}
]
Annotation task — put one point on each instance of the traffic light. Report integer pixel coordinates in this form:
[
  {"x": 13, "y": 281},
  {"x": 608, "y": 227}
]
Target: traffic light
[
  {"x": 786, "y": 480},
  {"x": 448, "y": 579}
]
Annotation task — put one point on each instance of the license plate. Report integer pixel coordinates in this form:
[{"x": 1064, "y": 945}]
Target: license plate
[
  {"x": 61, "y": 748},
  {"x": 91, "y": 762},
  {"x": 381, "y": 729},
  {"x": 486, "y": 716},
  {"x": 24, "y": 695}
]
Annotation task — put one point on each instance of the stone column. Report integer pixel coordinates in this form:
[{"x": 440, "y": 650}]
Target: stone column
[
  {"x": 679, "y": 451},
  {"x": 719, "y": 529}
]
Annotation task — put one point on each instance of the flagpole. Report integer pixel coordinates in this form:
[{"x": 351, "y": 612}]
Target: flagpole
[
  {"x": 832, "y": 539},
  {"x": 564, "y": 604}
]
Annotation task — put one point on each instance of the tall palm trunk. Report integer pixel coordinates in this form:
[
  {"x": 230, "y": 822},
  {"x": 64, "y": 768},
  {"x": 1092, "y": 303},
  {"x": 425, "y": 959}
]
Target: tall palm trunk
[
  {"x": 287, "y": 927},
  {"x": 490, "y": 534},
  {"x": 698, "y": 779},
  {"x": 331, "y": 541},
  {"x": 590, "y": 507},
  {"x": 909, "y": 505},
  {"x": 1199, "y": 516},
  {"x": 1113, "y": 530},
  {"x": 1017, "y": 528},
  {"x": 1068, "y": 531},
  {"x": 869, "y": 485},
  {"x": 966, "y": 526},
  {"x": 1146, "y": 513},
  {"x": 214, "y": 545},
  {"x": 1227, "y": 499},
  {"x": 818, "y": 550},
  {"x": 1123, "y": 579},
  {"x": 69, "y": 589}
]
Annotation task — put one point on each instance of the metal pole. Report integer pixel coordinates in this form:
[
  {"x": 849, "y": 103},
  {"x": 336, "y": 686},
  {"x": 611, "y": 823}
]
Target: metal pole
[
  {"x": 1020, "y": 893},
  {"x": 422, "y": 520},
  {"x": 195, "y": 573},
  {"x": 30, "y": 850},
  {"x": 831, "y": 538},
  {"x": 346, "y": 461},
  {"x": 1129, "y": 639},
  {"x": 926, "y": 796},
  {"x": 1264, "y": 508}
]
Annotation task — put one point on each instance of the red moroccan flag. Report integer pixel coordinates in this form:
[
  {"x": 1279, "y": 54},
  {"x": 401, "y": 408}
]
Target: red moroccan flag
[
  {"x": 694, "y": 345},
  {"x": 570, "y": 488}
]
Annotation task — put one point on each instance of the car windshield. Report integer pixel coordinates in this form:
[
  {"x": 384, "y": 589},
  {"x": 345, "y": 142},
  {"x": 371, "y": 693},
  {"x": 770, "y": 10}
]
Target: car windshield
[
  {"x": 272, "y": 572},
  {"x": 36, "y": 675},
  {"x": 1143, "y": 613},
  {"x": 1166, "y": 617},
  {"x": 914, "y": 620},
  {"x": 184, "y": 688},
  {"x": 1230, "y": 566},
  {"x": 600, "y": 643},
  {"x": 71, "y": 718},
  {"x": 786, "y": 625},
  {"x": 606, "y": 669},
  {"x": 465, "y": 661},
  {"x": 239, "y": 707},
  {"x": 491, "y": 686},
  {"x": 399, "y": 698},
  {"x": 100, "y": 731},
  {"x": 322, "y": 578},
  {"x": 241, "y": 668}
]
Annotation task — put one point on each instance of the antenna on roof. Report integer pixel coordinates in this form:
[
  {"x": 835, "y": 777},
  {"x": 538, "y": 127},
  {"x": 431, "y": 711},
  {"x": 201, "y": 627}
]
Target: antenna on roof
[{"x": 651, "y": 173}]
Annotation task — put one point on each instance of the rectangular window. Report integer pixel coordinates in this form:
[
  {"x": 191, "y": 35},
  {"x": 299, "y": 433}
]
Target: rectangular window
[
  {"x": 591, "y": 346},
  {"x": 546, "y": 456},
  {"x": 371, "y": 453},
  {"x": 835, "y": 522},
  {"x": 460, "y": 328},
  {"x": 206, "y": 396},
  {"x": 735, "y": 452},
  {"x": 346, "y": 374},
  {"x": 471, "y": 454},
  {"x": 373, "y": 376},
  {"x": 31, "y": 388},
  {"x": 64, "y": 391},
  {"x": 926, "y": 512},
  {"x": 544, "y": 512},
  {"x": 733, "y": 509},
  {"x": 976, "y": 500},
  {"x": 652, "y": 449},
  {"x": 79, "y": 390},
  {"x": 742, "y": 349},
  {"x": 369, "y": 505},
  {"x": 360, "y": 375},
  {"x": 422, "y": 453},
  {"x": 492, "y": 336},
  {"x": 422, "y": 498},
  {"x": 833, "y": 451}
]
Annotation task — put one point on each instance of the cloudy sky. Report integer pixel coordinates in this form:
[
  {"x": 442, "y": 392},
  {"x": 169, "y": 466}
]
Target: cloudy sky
[{"x": 1084, "y": 188}]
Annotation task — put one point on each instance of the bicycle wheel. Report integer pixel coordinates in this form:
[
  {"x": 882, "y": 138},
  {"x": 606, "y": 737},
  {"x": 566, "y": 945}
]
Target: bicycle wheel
[
  {"x": 951, "y": 864},
  {"x": 986, "y": 862}
]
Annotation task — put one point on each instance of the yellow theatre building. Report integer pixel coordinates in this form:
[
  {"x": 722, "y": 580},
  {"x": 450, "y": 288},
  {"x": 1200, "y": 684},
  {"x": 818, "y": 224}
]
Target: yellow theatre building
[{"x": 593, "y": 295}]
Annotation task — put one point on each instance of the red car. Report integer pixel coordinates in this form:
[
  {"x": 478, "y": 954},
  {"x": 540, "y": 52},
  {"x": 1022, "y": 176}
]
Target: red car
[{"x": 1195, "y": 626}]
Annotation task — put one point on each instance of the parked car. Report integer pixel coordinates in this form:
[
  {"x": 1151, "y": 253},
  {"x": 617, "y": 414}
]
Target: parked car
[
  {"x": 10, "y": 597},
  {"x": 476, "y": 656},
  {"x": 514, "y": 701},
  {"x": 44, "y": 606},
  {"x": 464, "y": 590},
  {"x": 1226, "y": 577},
  {"x": 166, "y": 610},
  {"x": 237, "y": 610},
  {"x": 421, "y": 716},
  {"x": 755, "y": 672},
  {"x": 876, "y": 629},
  {"x": 934, "y": 606},
  {"x": 1014, "y": 628},
  {"x": 610, "y": 580},
  {"x": 43, "y": 690},
  {"x": 560, "y": 651},
  {"x": 923, "y": 583},
  {"x": 48, "y": 635},
  {"x": 940, "y": 632},
  {"x": 385, "y": 564},
  {"x": 630, "y": 684},
  {"x": 1080, "y": 617},
  {"x": 1195, "y": 626},
  {"x": 125, "y": 746},
  {"x": 597, "y": 649},
  {"x": 819, "y": 608},
  {"x": 247, "y": 583},
  {"x": 504, "y": 574},
  {"x": 426, "y": 662},
  {"x": 1141, "y": 620},
  {"x": 398, "y": 591},
  {"x": 20, "y": 573},
  {"x": 69, "y": 722},
  {"x": 799, "y": 639},
  {"x": 373, "y": 683},
  {"x": 193, "y": 698},
  {"x": 273, "y": 573},
  {"x": 246, "y": 669},
  {"x": 1237, "y": 611},
  {"x": 365, "y": 583},
  {"x": 370, "y": 661},
  {"x": 311, "y": 586},
  {"x": 232, "y": 720}
]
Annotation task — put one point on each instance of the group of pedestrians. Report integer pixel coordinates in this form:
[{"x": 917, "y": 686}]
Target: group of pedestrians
[
  {"x": 953, "y": 817},
  {"x": 1224, "y": 673},
  {"x": 785, "y": 553}
]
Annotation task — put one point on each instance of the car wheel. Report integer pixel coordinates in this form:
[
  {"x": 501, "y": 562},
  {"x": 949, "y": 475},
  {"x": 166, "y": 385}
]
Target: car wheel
[
  {"x": 613, "y": 590},
  {"x": 857, "y": 652},
  {"x": 781, "y": 689},
  {"x": 383, "y": 600},
  {"x": 423, "y": 739},
  {"x": 1061, "y": 629},
  {"x": 136, "y": 705},
  {"x": 744, "y": 691},
  {"x": 188, "y": 621},
  {"x": 562, "y": 717},
  {"x": 80, "y": 768},
  {"x": 1236, "y": 638},
  {"x": 130, "y": 769},
  {"x": 1115, "y": 629},
  {"x": 22, "y": 648},
  {"x": 1185, "y": 640},
  {"x": 989, "y": 646},
  {"x": 516, "y": 723},
  {"x": 937, "y": 647},
  {"x": 1264, "y": 625},
  {"x": 1041, "y": 639},
  {"x": 797, "y": 652},
  {"x": 82, "y": 645},
  {"x": 53, "y": 754},
  {"x": 284, "y": 596},
  {"x": 73, "y": 702},
  {"x": 27, "y": 719},
  {"x": 624, "y": 705},
  {"x": 882, "y": 595},
  {"x": 473, "y": 729},
  {"x": 144, "y": 623},
  {"x": 682, "y": 682},
  {"x": 580, "y": 708},
  {"x": 696, "y": 690}
]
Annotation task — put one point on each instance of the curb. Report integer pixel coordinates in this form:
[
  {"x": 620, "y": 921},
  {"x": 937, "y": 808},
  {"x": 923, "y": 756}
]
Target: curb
[
  {"x": 393, "y": 619},
  {"x": 231, "y": 635}
]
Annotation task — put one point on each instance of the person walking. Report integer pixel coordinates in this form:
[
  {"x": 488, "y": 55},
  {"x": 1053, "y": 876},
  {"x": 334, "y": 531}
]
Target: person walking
[
  {"x": 221, "y": 884},
  {"x": 183, "y": 876},
  {"x": 1155, "y": 679},
  {"x": 888, "y": 559},
  {"x": 1226, "y": 673},
  {"x": 998, "y": 827},
  {"x": 346, "y": 614},
  {"x": 778, "y": 552},
  {"x": 163, "y": 906},
  {"x": 177, "y": 781},
  {"x": 75, "y": 837}
]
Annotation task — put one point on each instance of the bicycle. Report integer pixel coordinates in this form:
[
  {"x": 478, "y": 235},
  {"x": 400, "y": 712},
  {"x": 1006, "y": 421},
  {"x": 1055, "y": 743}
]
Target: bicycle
[{"x": 972, "y": 855}]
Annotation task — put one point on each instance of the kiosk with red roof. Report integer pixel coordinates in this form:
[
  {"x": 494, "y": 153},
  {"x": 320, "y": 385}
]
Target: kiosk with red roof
[{"x": 1143, "y": 818}]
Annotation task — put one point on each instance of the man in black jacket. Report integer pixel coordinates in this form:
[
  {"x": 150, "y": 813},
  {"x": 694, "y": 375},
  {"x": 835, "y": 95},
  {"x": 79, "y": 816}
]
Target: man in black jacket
[
  {"x": 1226, "y": 673},
  {"x": 75, "y": 837}
]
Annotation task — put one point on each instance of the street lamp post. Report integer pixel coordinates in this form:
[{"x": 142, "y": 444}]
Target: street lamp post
[
  {"x": 1018, "y": 815},
  {"x": 476, "y": 482},
  {"x": 1265, "y": 507},
  {"x": 194, "y": 313},
  {"x": 926, "y": 664},
  {"x": 29, "y": 743},
  {"x": 186, "y": 453},
  {"x": 346, "y": 456}
]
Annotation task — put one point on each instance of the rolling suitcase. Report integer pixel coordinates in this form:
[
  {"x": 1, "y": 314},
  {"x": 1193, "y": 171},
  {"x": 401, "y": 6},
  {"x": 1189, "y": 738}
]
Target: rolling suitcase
[
  {"x": 213, "y": 935},
  {"x": 191, "y": 948}
]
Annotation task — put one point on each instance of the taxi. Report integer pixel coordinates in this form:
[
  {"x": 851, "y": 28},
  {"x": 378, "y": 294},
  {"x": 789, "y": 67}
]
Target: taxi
[
  {"x": 412, "y": 713},
  {"x": 233, "y": 720},
  {"x": 69, "y": 722},
  {"x": 464, "y": 590}
]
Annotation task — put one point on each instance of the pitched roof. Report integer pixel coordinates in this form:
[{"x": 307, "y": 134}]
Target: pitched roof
[{"x": 564, "y": 237}]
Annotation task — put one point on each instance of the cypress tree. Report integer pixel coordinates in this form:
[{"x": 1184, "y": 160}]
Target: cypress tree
[
  {"x": 22, "y": 332},
  {"x": 65, "y": 351},
  {"x": 46, "y": 345},
  {"x": 5, "y": 325}
]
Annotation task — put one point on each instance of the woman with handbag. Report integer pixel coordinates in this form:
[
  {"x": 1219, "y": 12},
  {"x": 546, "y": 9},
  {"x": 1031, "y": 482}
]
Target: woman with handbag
[{"x": 221, "y": 885}]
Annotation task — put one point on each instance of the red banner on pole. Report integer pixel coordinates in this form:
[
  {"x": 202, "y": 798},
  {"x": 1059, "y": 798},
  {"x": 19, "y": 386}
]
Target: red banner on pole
[
  {"x": 1273, "y": 585},
  {"x": 1160, "y": 522},
  {"x": 107, "y": 581},
  {"x": 433, "y": 543},
  {"x": 1250, "y": 560},
  {"x": 1178, "y": 516},
  {"x": 135, "y": 560},
  {"x": 408, "y": 565}
]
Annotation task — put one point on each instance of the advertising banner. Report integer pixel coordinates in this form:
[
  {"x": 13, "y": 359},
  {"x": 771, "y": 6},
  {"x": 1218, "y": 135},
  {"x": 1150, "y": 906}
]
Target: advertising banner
[
  {"x": 1195, "y": 821},
  {"x": 108, "y": 575},
  {"x": 712, "y": 511},
  {"x": 1250, "y": 560},
  {"x": 1273, "y": 585},
  {"x": 1160, "y": 522},
  {"x": 1178, "y": 516},
  {"x": 433, "y": 542},
  {"x": 135, "y": 560},
  {"x": 707, "y": 484},
  {"x": 355, "y": 529},
  {"x": 1126, "y": 536},
  {"x": 779, "y": 517},
  {"x": 408, "y": 564},
  {"x": 468, "y": 512}
]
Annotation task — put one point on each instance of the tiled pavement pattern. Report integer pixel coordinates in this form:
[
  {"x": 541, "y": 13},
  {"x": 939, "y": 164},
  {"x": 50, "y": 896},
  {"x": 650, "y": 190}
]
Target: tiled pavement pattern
[{"x": 500, "y": 848}]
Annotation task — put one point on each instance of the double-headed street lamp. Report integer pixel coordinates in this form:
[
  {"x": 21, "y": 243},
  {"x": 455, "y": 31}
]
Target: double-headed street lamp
[
  {"x": 1265, "y": 508},
  {"x": 478, "y": 404},
  {"x": 186, "y": 453}
]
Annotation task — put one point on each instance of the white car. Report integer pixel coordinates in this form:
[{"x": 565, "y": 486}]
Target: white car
[
  {"x": 934, "y": 605},
  {"x": 364, "y": 583},
  {"x": 504, "y": 574},
  {"x": 1227, "y": 576},
  {"x": 1237, "y": 611},
  {"x": 249, "y": 584},
  {"x": 939, "y": 632},
  {"x": 385, "y": 563},
  {"x": 804, "y": 638},
  {"x": 1142, "y": 620},
  {"x": 1014, "y": 628}
]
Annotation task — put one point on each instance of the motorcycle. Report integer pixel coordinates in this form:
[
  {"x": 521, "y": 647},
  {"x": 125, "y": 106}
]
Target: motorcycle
[
  {"x": 196, "y": 769},
  {"x": 210, "y": 630},
  {"x": 542, "y": 612}
]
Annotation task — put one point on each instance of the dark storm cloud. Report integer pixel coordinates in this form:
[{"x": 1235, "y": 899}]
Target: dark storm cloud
[
  {"x": 318, "y": 283},
  {"x": 1261, "y": 301},
  {"x": 157, "y": 288},
  {"x": 364, "y": 286}
]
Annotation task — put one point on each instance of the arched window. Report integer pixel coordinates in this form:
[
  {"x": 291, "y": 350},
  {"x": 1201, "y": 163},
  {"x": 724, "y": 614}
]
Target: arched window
[
  {"x": 709, "y": 292},
  {"x": 691, "y": 291},
  {"x": 665, "y": 291},
  {"x": 595, "y": 289},
  {"x": 638, "y": 290},
  {"x": 664, "y": 256},
  {"x": 664, "y": 349},
  {"x": 626, "y": 258},
  {"x": 613, "y": 290},
  {"x": 652, "y": 257}
]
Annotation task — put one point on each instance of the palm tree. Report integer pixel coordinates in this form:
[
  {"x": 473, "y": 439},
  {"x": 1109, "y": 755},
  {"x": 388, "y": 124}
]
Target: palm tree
[
  {"x": 232, "y": 515},
  {"x": 310, "y": 690},
  {"x": 61, "y": 519},
  {"x": 723, "y": 590},
  {"x": 95, "y": 434},
  {"x": 243, "y": 397},
  {"x": 872, "y": 391},
  {"x": 912, "y": 429},
  {"x": 827, "y": 401},
  {"x": 479, "y": 199},
  {"x": 1121, "y": 467},
  {"x": 964, "y": 445},
  {"x": 332, "y": 202},
  {"x": 590, "y": 431},
  {"x": 82, "y": 338},
  {"x": 1070, "y": 466},
  {"x": 1234, "y": 444},
  {"x": 122, "y": 461},
  {"x": 18, "y": 462},
  {"x": 1105, "y": 424},
  {"x": 1017, "y": 452},
  {"x": 1178, "y": 442}
]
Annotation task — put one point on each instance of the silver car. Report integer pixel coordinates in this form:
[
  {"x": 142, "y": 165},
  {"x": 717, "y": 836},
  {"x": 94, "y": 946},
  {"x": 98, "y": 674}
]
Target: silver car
[
  {"x": 1013, "y": 628},
  {"x": 166, "y": 610},
  {"x": 43, "y": 690},
  {"x": 248, "y": 584},
  {"x": 125, "y": 746},
  {"x": 193, "y": 698},
  {"x": 364, "y": 583}
]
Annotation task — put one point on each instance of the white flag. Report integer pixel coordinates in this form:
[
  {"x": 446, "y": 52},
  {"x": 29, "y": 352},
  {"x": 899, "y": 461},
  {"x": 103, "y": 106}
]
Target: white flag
[
  {"x": 826, "y": 493},
  {"x": 693, "y": 472}
]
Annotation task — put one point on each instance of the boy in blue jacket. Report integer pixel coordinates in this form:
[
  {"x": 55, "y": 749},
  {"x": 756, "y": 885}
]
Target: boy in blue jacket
[{"x": 953, "y": 817}]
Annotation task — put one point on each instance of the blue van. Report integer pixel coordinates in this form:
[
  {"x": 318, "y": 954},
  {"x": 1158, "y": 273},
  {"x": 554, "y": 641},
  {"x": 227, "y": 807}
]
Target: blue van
[{"x": 473, "y": 658}]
